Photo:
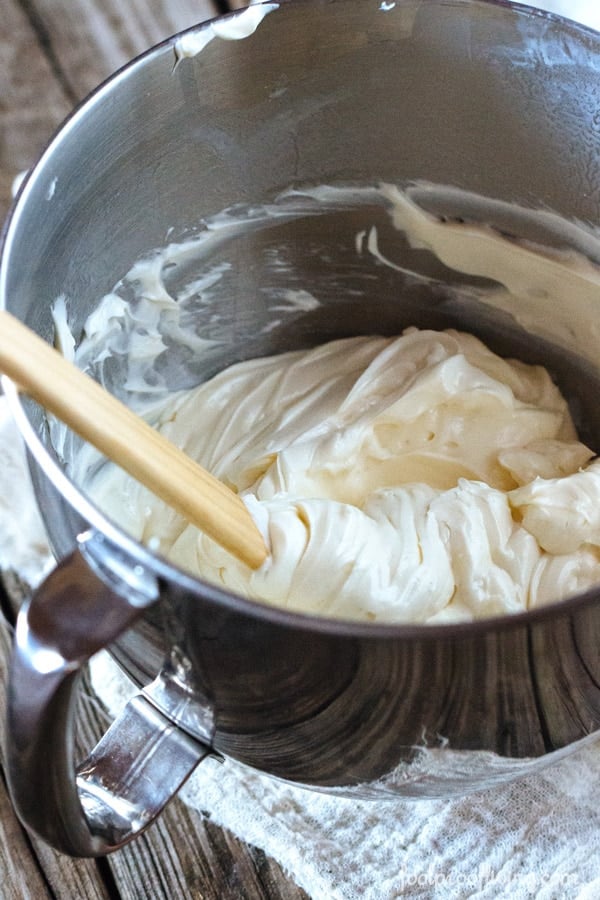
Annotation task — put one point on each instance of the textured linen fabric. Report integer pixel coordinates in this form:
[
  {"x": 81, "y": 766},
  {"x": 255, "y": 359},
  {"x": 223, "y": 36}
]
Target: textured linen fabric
[{"x": 538, "y": 836}]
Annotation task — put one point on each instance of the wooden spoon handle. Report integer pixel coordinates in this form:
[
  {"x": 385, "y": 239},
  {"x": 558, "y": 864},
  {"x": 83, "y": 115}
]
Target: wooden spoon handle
[{"x": 102, "y": 420}]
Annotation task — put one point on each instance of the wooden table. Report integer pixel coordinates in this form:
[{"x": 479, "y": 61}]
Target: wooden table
[{"x": 52, "y": 53}]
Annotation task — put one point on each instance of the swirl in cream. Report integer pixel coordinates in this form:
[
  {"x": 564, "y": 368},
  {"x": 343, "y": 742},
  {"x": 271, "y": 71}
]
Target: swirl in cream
[{"x": 390, "y": 477}]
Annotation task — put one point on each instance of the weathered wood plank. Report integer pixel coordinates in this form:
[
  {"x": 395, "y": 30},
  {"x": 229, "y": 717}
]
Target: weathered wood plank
[
  {"x": 69, "y": 878},
  {"x": 185, "y": 855},
  {"x": 32, "y": 102},
  {"x": 21, "y": 876},
  {"x": 54, "y": 52},
  {"x": 103, "y": 35}
]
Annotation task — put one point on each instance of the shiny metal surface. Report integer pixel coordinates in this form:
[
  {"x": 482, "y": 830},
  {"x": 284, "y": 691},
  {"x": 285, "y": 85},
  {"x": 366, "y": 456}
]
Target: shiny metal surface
[
  {"x": 143, "y": 758},
  {"x": 482, "y": 96}
]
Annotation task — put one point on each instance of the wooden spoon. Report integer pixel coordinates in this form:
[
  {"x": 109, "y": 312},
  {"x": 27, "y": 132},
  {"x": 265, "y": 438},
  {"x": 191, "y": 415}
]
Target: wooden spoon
[{"x": 102, "y": 420}]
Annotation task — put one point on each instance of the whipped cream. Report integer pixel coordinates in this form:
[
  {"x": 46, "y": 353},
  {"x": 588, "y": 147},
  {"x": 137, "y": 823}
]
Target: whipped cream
[
  {"x": 234, "y": 27},
  {"x": 419, "y": 478},
  {"x": 389, "y": 476}
]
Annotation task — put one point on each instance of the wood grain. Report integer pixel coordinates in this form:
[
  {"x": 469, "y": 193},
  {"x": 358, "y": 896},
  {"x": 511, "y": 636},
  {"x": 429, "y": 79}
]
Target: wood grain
[
  {"x": 92, "y": 38},
  {"x": 21, "y": 876},
  {"x": 54, "y": 52},
  {"x": 32, "y": 101}
]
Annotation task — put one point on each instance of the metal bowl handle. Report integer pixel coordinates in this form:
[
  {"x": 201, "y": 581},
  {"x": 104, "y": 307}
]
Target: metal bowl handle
[{"x": 143, "y": 758}]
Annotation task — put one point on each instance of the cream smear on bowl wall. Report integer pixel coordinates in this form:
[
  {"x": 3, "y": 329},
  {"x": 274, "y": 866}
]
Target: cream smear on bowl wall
[
  {"x": 418, "y": 477},
  {"x": 235, "y": 28}
]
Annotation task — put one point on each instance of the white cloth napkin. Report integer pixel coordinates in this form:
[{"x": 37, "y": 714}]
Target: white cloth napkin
[{"x": 536, "y": 837}]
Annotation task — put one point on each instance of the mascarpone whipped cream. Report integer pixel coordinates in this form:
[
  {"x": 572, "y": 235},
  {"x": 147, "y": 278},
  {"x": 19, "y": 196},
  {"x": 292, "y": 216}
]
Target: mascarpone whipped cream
[{"x": 420, "y": 478}]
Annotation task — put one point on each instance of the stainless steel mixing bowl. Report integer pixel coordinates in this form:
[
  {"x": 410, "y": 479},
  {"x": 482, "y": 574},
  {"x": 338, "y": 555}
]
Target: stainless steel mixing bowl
[{"x": 484, "y": 96}]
